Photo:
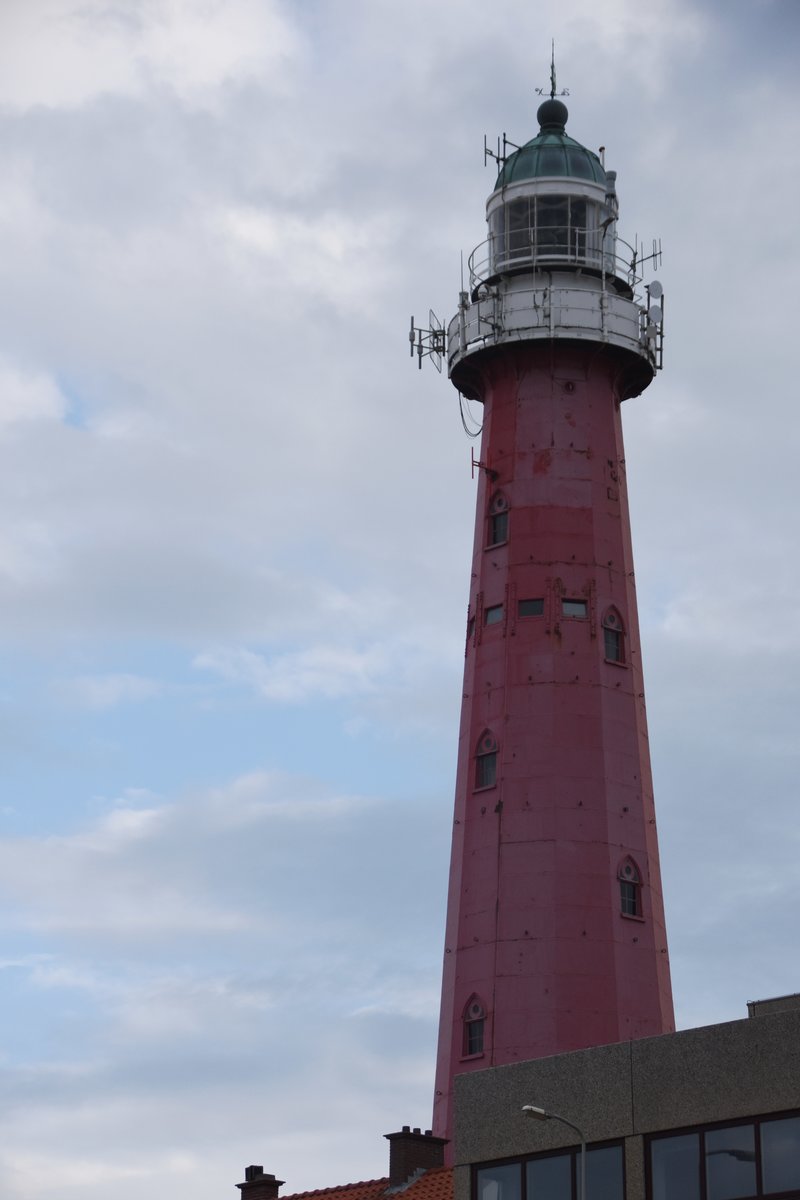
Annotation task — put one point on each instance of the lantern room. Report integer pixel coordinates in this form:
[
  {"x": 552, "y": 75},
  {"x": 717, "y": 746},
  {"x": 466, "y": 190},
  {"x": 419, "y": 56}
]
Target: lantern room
[{"x": 554, "y": 205}]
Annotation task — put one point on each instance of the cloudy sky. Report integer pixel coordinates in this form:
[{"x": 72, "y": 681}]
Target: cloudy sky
[{"x": 235, "y": 535}]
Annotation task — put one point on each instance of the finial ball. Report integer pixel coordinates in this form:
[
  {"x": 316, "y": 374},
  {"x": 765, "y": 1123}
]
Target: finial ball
[{"x": 552, "y": 114}]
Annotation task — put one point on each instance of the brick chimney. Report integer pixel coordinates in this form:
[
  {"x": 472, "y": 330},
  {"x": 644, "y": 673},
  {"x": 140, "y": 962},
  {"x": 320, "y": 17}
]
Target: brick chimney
[
  {"x": 410, "y": 1151},
  {"x": 258, "y": 1186}
]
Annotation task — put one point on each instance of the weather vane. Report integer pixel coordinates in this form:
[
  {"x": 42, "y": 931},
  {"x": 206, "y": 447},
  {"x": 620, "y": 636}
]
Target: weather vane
[{"x": 553, "y": 92}]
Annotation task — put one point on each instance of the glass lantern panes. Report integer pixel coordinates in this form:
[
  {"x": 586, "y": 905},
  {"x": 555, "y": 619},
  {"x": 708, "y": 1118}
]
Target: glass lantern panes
[{"x": 547, "y": 228}]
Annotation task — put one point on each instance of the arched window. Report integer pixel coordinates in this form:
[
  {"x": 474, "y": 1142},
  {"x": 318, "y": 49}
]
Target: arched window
[
  {"x": 497, "y": 531},
  {"x": 613, "y": 637},
  {"x": 474, "y": 1018},
  {"x": 630, "y": 889},
  {"x": 486, "y": 761}
]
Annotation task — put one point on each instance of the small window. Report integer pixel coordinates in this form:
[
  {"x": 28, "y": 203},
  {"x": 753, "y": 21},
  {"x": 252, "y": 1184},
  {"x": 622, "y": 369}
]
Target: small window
[
  {"x": 474, "y": 1036},
  {"x": 613, "y": 637},
  {"x": 486, "y": 761},
  {"x": 493, "y": 615},
  {"x": 630, "y": 889},
  {"x": 531, "y": 608},
  {"x": 498, "y": 520},
  {"x": 474, "y": 1027},
  {"x": 574, "y": 608}
]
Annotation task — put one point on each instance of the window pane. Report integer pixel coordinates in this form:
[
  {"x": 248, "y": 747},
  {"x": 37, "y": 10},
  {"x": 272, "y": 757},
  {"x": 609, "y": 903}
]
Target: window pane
[
  {"x": 574, "y": 608},
  {"x": 486, "y": 770},
  {"x": 500, "y": 1183},
  {"x": 519, "y": 222},
  {"x": 675, "y": 1168},
  {"x": 550, "y": 1178},
  {"x": 531, "y": 608},
  {"x": 552, "y": 220},
  {"x": 494, "y": 614},
  {"x": 497, "y": 231},
  {"x": 474, "y": 1037},
  {"x": 730, "y": 1162},
  {"x": 498, "y": 528},
  {"x": 612, "y": 639},
  {"x": 780, "y": 1154},
  {"x": 604, "y": 1173},
  {"x": 629, "y": 898}
]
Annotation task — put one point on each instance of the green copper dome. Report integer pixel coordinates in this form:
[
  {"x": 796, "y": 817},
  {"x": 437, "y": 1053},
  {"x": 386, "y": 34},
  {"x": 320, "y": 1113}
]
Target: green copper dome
[{"x": 551, "y": 153}]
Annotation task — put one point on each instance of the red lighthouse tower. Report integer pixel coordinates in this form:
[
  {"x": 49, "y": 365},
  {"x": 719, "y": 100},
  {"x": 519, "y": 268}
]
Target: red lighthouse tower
[{"x": 555, "y": 929}]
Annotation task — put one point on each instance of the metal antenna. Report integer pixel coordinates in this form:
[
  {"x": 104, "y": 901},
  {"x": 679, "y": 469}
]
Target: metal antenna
[{"x": 553, "y": 86}]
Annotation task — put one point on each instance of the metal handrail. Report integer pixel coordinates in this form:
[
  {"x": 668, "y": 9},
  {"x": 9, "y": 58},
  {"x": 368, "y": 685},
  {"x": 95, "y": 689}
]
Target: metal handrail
[{"x": 549, "y": 246}]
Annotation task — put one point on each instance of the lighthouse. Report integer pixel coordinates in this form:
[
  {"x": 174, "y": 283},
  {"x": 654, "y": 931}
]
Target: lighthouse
[{"x": 555, "y": 937}]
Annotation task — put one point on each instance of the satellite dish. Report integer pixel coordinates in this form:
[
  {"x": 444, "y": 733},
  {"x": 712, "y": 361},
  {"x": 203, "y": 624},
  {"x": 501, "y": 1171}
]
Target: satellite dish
[
  {"x": 656, "y": 314},
  {"x": 656, "y": 290}
]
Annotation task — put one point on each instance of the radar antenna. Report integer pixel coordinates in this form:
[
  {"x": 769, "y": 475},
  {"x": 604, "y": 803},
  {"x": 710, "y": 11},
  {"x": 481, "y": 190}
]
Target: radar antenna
[{"x": 428, "y": 342}]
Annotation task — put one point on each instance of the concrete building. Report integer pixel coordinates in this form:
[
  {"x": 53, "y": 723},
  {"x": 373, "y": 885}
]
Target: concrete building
[{"x": 703, "y": 1114}]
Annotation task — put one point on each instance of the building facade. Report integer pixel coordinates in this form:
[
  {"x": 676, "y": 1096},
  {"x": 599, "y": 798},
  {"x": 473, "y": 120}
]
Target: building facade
[{"x": 704, "y": 1114}]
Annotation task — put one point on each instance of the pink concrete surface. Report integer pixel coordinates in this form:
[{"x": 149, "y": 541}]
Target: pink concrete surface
[{"x": 534, "y": 926}]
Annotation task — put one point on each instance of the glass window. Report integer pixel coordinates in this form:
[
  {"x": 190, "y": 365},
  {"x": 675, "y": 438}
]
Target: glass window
[
  {"x": 604, "y": 1173},
  {"x": 473, "y": 1039},
  {"x": 612, "y": 642},
  {"x": 498, "y": 528},
  {"x": 486, "y": 762},
  {"x": 486, "y": 770},
  {"x": 552, "y": 225},
  {"x": 780, "y": 1154},
  {"x": 630, "y": 889},
  {"x": 500, "y": 1183},
  {"x": 613, "y": 639},
  {"x": 493, "y": 615},
  {"x": 574, "y": 608},
  {"x": 497, "y": 231},
  {"x": 519, "y": 228},
  {"x": 550, "y": 1178},
  {"x": 675, "y": 1168},
  {"x": 531, "y": 608},
  {"x": 628, "y": 898},
  {"x": 730, "y": 1162}
]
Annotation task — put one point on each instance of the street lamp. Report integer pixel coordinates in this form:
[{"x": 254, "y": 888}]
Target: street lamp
[{"x": 542, "y": 1114}]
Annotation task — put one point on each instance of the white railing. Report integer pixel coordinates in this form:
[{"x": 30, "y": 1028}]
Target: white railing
[{"x": 552, "y": 246}]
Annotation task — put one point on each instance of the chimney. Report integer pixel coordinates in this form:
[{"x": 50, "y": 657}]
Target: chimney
[
  {"x": 411, "y": 1151},
  {"x": 258, "y": 1186}
]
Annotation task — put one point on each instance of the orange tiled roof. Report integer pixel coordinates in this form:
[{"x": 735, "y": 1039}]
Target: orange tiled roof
[
  {"x": 436, "y": 1184},
  {"x": 369, "y": 1189}
]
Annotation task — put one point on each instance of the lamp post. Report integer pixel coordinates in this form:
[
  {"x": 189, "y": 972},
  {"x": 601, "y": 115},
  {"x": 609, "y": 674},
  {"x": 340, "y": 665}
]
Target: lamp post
[{"x": 542, "y": 1114}]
